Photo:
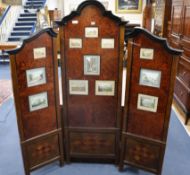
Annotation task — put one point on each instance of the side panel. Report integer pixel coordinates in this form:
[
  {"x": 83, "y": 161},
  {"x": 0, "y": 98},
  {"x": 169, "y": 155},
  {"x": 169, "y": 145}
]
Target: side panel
[{"x": 35, "y": 83}]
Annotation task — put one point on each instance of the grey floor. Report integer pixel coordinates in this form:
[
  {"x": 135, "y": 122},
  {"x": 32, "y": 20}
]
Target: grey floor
[{"x": 176, "y": 162}]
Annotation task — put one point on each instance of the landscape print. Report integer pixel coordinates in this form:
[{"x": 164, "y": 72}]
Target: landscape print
[
  {"x": 91, "y": 32},
  {"x": 36, "y": 77},
  {"x": 38, "y": 101},
  {"x": 75, "y": 43},
  {"x": 39, "y": 53},
  {"x": 78, "y": 87},
  {"x": 146, "y": 53},
  {"x": 105, "y": 88},
  {"x": 147, "y": 103},
  {"x": 150, "y": 78},
  {"x": 128, "y": 6}
]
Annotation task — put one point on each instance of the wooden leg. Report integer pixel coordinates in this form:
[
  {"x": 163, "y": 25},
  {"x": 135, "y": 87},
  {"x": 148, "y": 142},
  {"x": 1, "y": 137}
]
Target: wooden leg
[
  {"x": 27, "y": 171},
  {"x": 121, "y": 164}
]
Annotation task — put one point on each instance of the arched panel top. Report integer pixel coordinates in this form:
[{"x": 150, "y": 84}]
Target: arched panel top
[
  {"x": 84, "y": 5},
  {"x": 50, "y": 32},
  {"x": 163, "y": 41}
]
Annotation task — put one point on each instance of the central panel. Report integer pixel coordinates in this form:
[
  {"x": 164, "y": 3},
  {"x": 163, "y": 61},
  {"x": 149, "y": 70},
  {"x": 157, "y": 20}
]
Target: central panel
[{"x": 92, "y": 55}]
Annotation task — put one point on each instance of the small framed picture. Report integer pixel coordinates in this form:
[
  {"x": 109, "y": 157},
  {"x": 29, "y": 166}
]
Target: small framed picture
[
  {"x": 38, "y": 101},
  {"x": 147, "y": 54},
  {"x": 105, "y": 88},
  {"x": 107, "y": 43},
  {"x": 147, "y": 103},
  {"x": 91, "y": 65},
  {"x": 75, "y": 43},
  {"x": 150, "y": 78},
  {"x": 128, "y": 6},
  {"x": 39, "y": 53},
  {"x": 36, "y": 76},
  {"x": 91, "y": 32},
  {"x": 78, "y": 87}
]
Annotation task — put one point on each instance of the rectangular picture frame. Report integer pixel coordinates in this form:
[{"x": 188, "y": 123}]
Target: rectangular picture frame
[
  {"x": 91, "y": 32},
  {"x": 149, "y": 77},
  {"x": 75, "y": 43},
  {"x": 147, "y": 103},
  {"x": 147, "y": 53},
  {"x": 91, "y": 65},
  {"x": 78, "y": 87},
  {"x": 39, "y": 53},
  {"x": 104, "y": 88},
  {"x": 107, "y": 43},
  {"x": 38, "y": 101},
  {"x": 36, "y": 77},
  {"x": 130, "y": 6}
]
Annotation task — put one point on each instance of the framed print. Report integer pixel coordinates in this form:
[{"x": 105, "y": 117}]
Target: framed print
[
  {"x": 128, "y": 6},
  {"x": 91, "y": 65},
  {"x": 105, "y": 88},
  {"x": 147, "y": 54},
  {"x": 150, "y": 78},
  {"x": 75, "y": 43},
  {"x": 39, "y": 53},
  {"x": 12, "y": 2},
  {"x": 107, "y": 43},
  {"x": 91, "y": 32},
  {"x": 36, "y": 76},
  {"x": 147, "y": 103},
  {"x": 78, "y": 87},
  {"x": 38, "y": 101}
]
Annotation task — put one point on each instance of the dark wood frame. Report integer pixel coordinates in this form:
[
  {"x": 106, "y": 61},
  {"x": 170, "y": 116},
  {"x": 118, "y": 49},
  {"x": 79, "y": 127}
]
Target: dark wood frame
[
  {"x": 174, "y": 55},
  {"x": 67, "y": 128},
  {"x": 25, "y": 142}
]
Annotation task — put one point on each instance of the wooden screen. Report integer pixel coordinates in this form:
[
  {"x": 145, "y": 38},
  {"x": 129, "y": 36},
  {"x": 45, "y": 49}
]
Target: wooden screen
[
  {"x": 149, "y": 91},
  {"x": 92, "y": 42},
  {"x": 35, "y": 84}
]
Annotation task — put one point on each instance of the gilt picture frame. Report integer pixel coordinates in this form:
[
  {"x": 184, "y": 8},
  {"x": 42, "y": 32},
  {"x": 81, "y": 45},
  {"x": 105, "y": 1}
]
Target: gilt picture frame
[{"x": 128, "y": 6}]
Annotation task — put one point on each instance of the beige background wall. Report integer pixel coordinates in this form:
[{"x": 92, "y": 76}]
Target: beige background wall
[{"x": 67, "y": 5}]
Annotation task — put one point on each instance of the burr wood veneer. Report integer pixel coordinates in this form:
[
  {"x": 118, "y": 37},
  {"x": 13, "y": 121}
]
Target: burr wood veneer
[{"x": 39, "y": 126}]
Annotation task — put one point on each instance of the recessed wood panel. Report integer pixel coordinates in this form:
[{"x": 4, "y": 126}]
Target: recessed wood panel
[
  {"x": 92, "y": 143},
  {"x": 43, "y": 150},
  {"x": 142, "y": 122},
  {"x": 92, "y": 110},
  {"x": 143, "y": 154},
  {"x": 43, "y": 120}
]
